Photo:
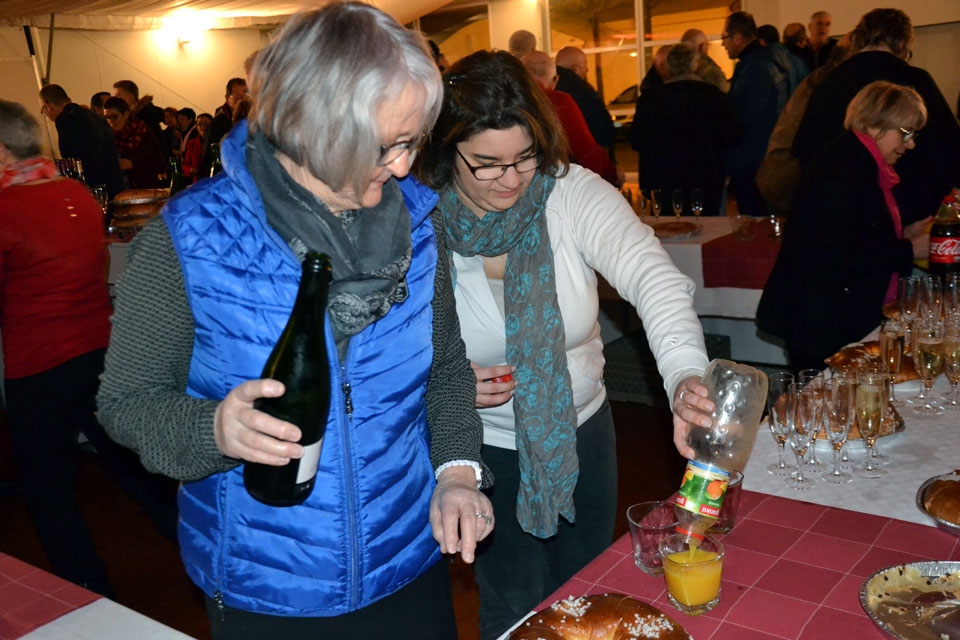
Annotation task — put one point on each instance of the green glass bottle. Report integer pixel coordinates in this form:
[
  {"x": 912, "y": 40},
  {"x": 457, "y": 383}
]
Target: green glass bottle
[
  {"x": 299, "y": 360},
  {"x": 215, "y": 165},
  {"x": 178, "y": 181}
]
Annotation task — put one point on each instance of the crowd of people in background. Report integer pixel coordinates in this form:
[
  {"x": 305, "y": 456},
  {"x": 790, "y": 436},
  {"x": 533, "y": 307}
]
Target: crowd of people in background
[
  {"x": 807, "y": 126},
  {"x": 142, "y": 145}
]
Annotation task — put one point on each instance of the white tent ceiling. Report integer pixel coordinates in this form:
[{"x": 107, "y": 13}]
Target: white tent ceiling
[{"x": 148, "y": 14}]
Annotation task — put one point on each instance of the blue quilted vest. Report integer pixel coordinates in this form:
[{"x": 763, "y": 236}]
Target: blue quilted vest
[{"x": 364, "y": 533}]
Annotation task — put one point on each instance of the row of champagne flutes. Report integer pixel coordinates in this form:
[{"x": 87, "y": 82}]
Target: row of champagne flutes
[
  {"x": 801, "y": 408},
  {"x": 927, "y": 330},
  {"x": 650, "y": 202}
]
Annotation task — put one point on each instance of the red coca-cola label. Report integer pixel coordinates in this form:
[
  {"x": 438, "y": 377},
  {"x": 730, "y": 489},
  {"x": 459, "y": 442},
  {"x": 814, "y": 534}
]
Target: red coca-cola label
[{"x": 945, "y": 250}]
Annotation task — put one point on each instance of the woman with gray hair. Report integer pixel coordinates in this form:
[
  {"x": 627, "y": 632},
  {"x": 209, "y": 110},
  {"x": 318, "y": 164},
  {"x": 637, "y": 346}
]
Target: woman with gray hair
[
  {"x": 845, "y": 244},
  {"x": 342, "y": 100},
  {"x": 55, "y": 319}
]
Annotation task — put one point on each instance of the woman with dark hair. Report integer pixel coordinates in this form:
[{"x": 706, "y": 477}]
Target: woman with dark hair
[
  {"x": 343, "y": 96},
  {"x": 141, "y": 157},
  {"x": 527, "y": 233},
  {"x": 845, "y": 242}
]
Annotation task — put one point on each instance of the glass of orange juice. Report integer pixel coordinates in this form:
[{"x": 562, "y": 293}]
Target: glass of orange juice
[{"x": 692, "y": 574}]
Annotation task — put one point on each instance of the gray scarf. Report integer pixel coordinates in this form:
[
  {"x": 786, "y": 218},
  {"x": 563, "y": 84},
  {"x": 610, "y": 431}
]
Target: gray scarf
[
  {"x": 546, "y": 419},
  {"x": 370, "y": 249}
]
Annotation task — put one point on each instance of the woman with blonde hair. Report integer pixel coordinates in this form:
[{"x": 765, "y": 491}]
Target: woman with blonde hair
[{"x": 845, "y": 243}]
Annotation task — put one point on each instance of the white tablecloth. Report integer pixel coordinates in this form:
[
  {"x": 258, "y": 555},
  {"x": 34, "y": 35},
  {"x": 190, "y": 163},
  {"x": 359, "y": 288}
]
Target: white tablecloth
[
  {"x": 687, "y": 254},
  {"x": 927, "y": 447},
  {"x": 104, "y": 620},
  {"x": 723, "y": 310}
]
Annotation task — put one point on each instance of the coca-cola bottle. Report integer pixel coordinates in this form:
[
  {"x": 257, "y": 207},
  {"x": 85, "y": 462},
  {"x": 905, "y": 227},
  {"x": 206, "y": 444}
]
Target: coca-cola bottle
[{"x": 945, "y": 237}]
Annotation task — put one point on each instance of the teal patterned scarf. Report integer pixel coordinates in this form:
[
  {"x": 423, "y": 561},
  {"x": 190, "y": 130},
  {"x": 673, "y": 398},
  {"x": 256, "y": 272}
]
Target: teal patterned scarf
[{"x": 546, "y": 419}]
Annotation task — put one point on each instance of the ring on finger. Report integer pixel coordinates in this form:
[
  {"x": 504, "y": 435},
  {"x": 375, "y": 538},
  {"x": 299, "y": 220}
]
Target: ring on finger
[
  {"x": 682, "y": 391},
  {"x": 486, "y": 517}
]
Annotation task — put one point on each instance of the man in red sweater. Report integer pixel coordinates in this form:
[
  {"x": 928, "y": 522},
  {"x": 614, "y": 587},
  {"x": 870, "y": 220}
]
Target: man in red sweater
[{"x": 584, "y": 150}]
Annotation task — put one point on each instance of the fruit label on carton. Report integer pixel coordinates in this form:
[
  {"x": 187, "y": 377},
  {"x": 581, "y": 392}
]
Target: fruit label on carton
[{"x": 702, "y": 489}]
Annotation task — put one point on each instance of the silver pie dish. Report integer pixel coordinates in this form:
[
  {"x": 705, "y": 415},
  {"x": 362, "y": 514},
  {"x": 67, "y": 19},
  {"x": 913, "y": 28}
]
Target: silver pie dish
[
  {"x": 904, "y": 623},
  {"x": 944, "y": 525}
]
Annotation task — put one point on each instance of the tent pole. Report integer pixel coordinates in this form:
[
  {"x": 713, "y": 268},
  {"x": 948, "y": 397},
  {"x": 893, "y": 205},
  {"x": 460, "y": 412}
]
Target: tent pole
[
  {"x": 40, "y": 83},
  {"x": 50, "y": 49}
]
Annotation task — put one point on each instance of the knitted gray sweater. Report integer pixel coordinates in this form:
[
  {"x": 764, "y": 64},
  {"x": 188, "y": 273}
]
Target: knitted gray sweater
[{"x": 142, "y": 402}]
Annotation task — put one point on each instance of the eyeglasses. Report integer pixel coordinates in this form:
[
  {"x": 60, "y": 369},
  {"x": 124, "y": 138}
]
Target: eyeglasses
[
  {"x": 725, "y": 36},
  {"x": 494, "y": 171},
  {"x": 390, "y": 153},
  {"x": 907, "y": 135}
]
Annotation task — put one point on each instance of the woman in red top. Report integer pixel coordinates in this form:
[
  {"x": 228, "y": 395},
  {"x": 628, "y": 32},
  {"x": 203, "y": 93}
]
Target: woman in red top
[{"x": 55, "y": 321}]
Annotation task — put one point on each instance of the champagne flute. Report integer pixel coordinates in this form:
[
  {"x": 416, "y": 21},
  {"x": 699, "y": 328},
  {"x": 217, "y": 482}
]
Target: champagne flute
[
  {"x": 951, "y": 295},
  {"x": 931, "y": 298},
  {"x": 813, "y": 378},
  {"x": 891, "y": 354},
  {"x": 928, "y": 357},
  {"x": 777, "y": 419},
  {"x": 839, "y": 404},
  {"x": 696, "y": 203},
  {"x": 656, "y": 203},
  {"x": 870, "y": 404},
  {"x": 676, "y": 201},
  {"x": 643, "y": 203},
  {"x": 908, "y": 302},
  {"x": 951, "y": 361},
  {"x": 799, "y": 436}
]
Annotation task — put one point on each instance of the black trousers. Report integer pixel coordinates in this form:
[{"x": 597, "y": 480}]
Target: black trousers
[
  {"x": 46, "y": 413},
  {"x": 422, "y": 610},
  {"x": 515, "y": 571}
]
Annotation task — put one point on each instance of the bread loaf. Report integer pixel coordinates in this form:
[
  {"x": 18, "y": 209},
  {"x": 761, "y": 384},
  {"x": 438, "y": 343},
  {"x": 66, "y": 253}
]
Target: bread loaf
[
  {"x": 942, "y": 499},
  {"x": 600, "y": 617}
]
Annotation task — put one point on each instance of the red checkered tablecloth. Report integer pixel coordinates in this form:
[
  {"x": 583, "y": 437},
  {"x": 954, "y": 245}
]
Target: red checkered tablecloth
[
  {"x": 31, "y": 597},
  {"x": 792, "y": 571},
  {"x": 743, "y": 264}
]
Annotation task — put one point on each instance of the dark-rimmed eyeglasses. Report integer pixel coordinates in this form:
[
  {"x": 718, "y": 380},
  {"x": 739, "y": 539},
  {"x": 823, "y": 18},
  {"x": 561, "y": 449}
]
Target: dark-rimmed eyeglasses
[
  {"x": 907, "y": 135},
  {"x": 390, "y": 153},
  {"x": 725, "y": 36},
  {"x": 494, "y": 171}
]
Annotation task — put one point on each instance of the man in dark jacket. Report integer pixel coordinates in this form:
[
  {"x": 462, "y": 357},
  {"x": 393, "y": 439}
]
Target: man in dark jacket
[
  {"x": 143, "y": 107},
  {"x": 84, "y": 135},
  {"x": 683, "y": 131},
  {"x": 758, "y": 92},
  {"x": 572, "y": 79},
  {"x": 882, "y": 39},
  {"x": 223, "y": 120}
]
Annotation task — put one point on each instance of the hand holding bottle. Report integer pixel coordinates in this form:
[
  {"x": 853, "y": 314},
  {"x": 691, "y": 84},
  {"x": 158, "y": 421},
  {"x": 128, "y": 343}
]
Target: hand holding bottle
[
  {"x": 690, "y": 407},
  {"x": 918, "y": 235},
  {"x": 244, "y": 433}
]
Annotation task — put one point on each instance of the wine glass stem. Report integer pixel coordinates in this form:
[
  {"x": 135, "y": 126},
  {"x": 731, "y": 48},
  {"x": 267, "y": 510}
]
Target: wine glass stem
[{"x": 799, "y": 455}]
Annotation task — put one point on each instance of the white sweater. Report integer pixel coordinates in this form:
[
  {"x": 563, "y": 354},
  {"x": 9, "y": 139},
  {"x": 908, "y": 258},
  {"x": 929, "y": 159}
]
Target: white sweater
[{"x": 591, "y": 227}]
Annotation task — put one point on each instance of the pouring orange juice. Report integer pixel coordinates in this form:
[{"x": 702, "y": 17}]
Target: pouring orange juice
[{"x": 692, "y": 572}]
